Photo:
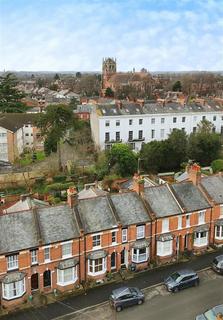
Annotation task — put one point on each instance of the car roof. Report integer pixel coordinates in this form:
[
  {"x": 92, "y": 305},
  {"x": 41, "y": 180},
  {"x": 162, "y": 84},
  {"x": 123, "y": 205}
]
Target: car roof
[
  {"x": 218, "y": 309},
  {"x": 219, "y": 258},
  {"x": 183, "y": 272},
  {"x": 121, "y": 291}
]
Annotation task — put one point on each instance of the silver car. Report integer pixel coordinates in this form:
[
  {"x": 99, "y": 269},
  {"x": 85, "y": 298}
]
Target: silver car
[{"x": 211, "y": 314}]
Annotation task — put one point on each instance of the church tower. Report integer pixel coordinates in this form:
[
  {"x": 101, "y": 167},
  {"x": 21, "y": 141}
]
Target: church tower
[{"x": 108, "y": 69}]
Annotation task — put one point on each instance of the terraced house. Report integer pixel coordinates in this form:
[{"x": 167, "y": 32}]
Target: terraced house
[{"x": 47, "y": 248}]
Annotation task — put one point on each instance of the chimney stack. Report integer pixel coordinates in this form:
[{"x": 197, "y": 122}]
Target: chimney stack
[
  {"x": 194, "y": 172},
  {"x": 71, "y": 196},
  {"x": 138, "y": 183}
]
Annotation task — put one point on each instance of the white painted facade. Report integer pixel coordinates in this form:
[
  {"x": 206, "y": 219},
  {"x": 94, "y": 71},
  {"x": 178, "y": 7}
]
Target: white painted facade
[
  {"x": 3, "y": 144},
  {"x": 147, "y": 127}
]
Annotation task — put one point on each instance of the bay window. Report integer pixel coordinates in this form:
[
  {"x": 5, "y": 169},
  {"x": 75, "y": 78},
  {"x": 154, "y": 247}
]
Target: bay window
[
  {"x": 201, "y": 238},
  {"x": 13, "y": 290},
  {"x": 219, "y": 232},
  {"x": 66, "y": 276},
  {"x": 164, "y": 248},
  {"x": 97, "y": 266},
  {"x": 139, "y": 255}
]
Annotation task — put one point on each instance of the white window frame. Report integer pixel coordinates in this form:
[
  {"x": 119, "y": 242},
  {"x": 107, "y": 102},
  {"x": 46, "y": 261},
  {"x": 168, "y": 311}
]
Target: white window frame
[
  {"x": 164, "y": 248},
  {"x": 140, "y": 232},
  {"x": 34, "y": 258},
  {"x": 114, "y": 237},
  {"x": 220, "y": 236},
  {"x": 107, "y": 123},
  {"x": 124, "y": 235},
  {"x": 66, "y": 249},
  {"x": 179, "y": 226},
  {"x": 18, "y": 288},
  {"x": 92, "y": 265},
  {"x": 162, "y": 133},
  {"x": 13, "y": 262},
  {"x": 96, "y": 243},
  {"x": 61, "y": 276},
  {"x": 165, "y": 225},
  {"x": 47, "y": 254},
  {"x": 221, "y": 211},
  {"x": 138, "y": 257},
  {"x": 201, "y": 217},
  {"x": 187, "y": 220},
  {"x": 200, "y": 241}
]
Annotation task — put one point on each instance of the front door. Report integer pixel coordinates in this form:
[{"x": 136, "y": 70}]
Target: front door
[
  {"x": 113, "y": 260},
  {"x": 186, "y": 241},
  {"x": 35, "y": 281}
]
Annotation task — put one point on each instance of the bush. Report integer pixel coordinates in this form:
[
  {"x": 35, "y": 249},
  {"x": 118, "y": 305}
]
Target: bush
[
  {"x": 217, "y": 165},
  {"x": 58, "y": 186},
  {"x": 60, "y": 178}
]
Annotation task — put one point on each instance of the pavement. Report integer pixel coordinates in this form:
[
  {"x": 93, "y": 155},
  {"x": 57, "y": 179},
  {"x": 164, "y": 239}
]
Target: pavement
[{"x": 100, "y": 294}]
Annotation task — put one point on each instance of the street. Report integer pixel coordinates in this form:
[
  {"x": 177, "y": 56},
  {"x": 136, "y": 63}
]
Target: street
[
  {"x": 100, "y": 294},
  {"x": 159, "y": 304}
]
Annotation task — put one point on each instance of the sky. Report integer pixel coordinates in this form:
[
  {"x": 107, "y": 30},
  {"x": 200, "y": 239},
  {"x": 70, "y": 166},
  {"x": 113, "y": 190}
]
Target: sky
[{"x": 74, "y": 35}]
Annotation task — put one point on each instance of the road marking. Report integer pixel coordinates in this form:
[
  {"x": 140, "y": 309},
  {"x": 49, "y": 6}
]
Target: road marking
[{"x": 106, "y": 302}]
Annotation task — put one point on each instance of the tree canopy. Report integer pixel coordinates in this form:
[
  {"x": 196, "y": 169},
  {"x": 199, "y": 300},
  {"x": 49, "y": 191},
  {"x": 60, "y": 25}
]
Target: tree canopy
[
  {"x": 177, "y": 86},
  {"x": 204, "y": 145},
  {"x": 10, "y": 96},
  {"x": 122, "y": 160},
  {"x": 109, "y": 92},
  {"x": 53, "y": 125}
]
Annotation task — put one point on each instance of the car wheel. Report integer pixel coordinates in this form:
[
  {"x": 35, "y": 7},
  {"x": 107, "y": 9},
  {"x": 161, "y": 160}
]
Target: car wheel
[
  {"x": 140, "y": 301},
  {"x": 119, "y": 308},
  {"x": 196, "y": 283},
  {"x": 176, "y": 289}
]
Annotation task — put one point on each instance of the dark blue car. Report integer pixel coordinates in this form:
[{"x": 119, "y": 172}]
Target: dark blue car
[{"x": 181, "y": 279}]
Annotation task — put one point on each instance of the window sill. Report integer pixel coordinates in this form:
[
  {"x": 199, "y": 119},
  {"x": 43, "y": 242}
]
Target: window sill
[
  {"x": 63, "y": 284},
  {"x": 13, "y": 269},
  {"x": 94, "y": 274},
  {"x": 47, "y": 261},
  {"x": 218, "y": 238},
  {"x": 142, "y": 261},
  {"x": 67, "y": 256},
  {"x": 166, "y": 254},
  {"x": 13, "y": 298}
]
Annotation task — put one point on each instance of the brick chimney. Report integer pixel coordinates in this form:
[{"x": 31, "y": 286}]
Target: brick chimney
[
  {"x": 194, "y": 172},
  {"x": 138, "y": 183},
  {"x": 71, "y": 196}
]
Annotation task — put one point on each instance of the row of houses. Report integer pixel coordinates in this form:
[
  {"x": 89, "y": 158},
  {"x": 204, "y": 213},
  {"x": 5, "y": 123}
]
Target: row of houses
[
  {"x": 57, "y": 248},
  {"x": 138, "y": 123}
]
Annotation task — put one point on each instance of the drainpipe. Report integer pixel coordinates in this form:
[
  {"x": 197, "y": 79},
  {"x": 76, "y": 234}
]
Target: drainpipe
[
  {"x": 79, "y": 260},
  {"x": 211, "y": 223},
  {"x": 85, "y": 261},
  {"x": 155, "y": 239},
  {"x": 151, "y": 239}
]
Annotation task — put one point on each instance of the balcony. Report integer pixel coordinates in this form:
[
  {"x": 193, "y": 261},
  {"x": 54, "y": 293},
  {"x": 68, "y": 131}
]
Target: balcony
[
  {"x": 113, "y": 141},
  {"x": 136, "y": 139}
]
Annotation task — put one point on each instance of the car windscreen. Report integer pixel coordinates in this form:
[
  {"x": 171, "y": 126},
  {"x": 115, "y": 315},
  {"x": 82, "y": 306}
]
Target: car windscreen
[
  {"x": 210, "y": 315},
  {"x": 134, "y": 291},
  {"x": 215, "y": 261},
  {"x": 175, "y": 276}
]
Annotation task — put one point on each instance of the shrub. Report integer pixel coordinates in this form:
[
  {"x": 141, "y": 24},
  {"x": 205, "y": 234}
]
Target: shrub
[
  {"x": 60, "y": 178},
  {"x": 217, "y": 165},
  {"x": 58, "y": 186}
]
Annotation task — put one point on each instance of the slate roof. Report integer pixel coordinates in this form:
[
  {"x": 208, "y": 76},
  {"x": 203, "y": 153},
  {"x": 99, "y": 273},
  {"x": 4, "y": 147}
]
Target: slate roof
[
  {"x": 57, "y": 223},
  {"x": 161, "y": 201},
  {"x": 190, "y": 196},
  {"x": 18, "y": 231},
  {"x": 96, "y": 214},
  {"x": 130, "y": 208},
  {"x": 26, "y": 204},
  {"x": 154, "y": 108},
  {"x": 213, "y": 185},
  {"x": 15, "y": 121}
]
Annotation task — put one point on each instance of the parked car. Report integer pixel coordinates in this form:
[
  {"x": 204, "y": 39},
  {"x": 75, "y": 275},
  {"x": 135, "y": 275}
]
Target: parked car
[
  {"x": 124, "y": 297},
  {"x": 181, "y": 279},
  {"x": 211, "y": 313},
  {"x": 217, "y": 264}
]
